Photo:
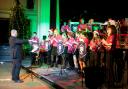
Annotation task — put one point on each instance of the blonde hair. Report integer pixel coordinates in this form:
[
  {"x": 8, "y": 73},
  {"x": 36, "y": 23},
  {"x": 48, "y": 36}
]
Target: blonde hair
[
  {"x": 14, "y": 33},
  {"x": 56, "y": 31}
]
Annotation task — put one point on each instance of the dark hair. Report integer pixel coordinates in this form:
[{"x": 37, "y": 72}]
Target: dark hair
[
  {"x": 44, "y": 37},
  {"x": 70, "y": 34},
  {"x": 34, "y": 32},
  {"x": 114, "y": 30},
  {"x": 84, "y": 33}
]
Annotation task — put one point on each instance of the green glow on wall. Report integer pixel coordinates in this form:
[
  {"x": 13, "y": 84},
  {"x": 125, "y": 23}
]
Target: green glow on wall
[
  {"x": 33, "y": 23},
  {"x": 43, "y": 17},
  {"x": 57, "y": 16}
]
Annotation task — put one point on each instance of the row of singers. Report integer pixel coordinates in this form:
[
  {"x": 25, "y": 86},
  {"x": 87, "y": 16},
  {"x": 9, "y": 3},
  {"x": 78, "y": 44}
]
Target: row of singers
[
  {"x": 71, "y": 43},
  {"x": 77, "y": 51}
]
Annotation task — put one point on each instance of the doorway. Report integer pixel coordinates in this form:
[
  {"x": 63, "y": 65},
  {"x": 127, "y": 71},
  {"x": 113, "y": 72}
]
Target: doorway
[{"x": 4, "y": 31}]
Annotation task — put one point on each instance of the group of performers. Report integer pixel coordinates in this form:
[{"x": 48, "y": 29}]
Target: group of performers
[{"x": 81, "y": 49}]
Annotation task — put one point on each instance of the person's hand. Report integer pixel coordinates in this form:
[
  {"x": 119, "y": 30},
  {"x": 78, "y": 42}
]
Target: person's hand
[
  {"x": 103, "y": 41},
  {"x": 29, "y": 40}
]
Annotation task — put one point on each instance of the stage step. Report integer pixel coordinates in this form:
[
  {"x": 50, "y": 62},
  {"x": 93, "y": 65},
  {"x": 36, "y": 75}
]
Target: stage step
[{"x": 5, "y": 53}]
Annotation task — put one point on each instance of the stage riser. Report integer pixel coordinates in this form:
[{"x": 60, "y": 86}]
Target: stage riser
[{"x": 5, "y": 53}]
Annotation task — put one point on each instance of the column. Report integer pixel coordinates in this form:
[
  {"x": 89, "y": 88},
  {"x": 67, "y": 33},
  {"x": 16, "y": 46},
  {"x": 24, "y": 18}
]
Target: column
[
  {"x": 43, "y": 17},
  {"x": 57, "y": 16}
]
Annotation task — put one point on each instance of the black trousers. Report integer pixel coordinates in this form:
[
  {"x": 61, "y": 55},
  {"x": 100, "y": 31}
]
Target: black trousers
[
  {"x": 43, "y": 56},
  {"x": 70, "y": 60},
  {"x": 33, "y": 57},
  {"x": 16, "y": 70},
  {"x": 49, "y": 57}
]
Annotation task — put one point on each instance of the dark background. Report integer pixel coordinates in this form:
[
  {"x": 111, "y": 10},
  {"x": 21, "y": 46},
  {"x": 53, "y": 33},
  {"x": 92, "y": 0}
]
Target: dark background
[
  {"x": 4, "y": 31},
  {"x": 100, "y": 10}
]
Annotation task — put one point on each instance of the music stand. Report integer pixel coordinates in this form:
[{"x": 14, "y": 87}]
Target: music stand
[
  {"x": 27, "y": 65},
  {"x": 60, "y": 52},
  {"x": 62, "y": 71}
]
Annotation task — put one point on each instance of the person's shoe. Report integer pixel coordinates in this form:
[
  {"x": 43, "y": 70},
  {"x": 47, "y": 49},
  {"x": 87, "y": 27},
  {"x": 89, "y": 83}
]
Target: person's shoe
[
  {"x": 13, "y": 79},
  {"x": 19, "y": 81},
  {"x": 76, "y": 70},
  {"x": 63, "y": 67},
  {"x": 51, "y": 65}
]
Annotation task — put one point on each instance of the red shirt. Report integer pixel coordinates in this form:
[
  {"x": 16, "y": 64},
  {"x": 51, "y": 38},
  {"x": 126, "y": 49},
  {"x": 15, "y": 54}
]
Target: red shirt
[
  {"x": 110, "y": 40},
  {"x": 55, "y": 40},
  {"x": 70, "y": 45},
  {"x": 81, "y": 27},
  {"x": 94, "y": 45},
  {"x": 35, "y": 39},
  {"x": 85, "y": 40},
  {"x": 65, "y": 28}
]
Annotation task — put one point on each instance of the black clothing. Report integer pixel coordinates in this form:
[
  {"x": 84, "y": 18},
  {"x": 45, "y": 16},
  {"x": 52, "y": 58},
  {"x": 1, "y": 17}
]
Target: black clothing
[{"x": 16, "y": 55}]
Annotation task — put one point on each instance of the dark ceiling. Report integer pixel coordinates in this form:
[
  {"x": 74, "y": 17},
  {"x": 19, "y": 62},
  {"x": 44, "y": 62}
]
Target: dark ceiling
[{"x": 100, "y": 10}]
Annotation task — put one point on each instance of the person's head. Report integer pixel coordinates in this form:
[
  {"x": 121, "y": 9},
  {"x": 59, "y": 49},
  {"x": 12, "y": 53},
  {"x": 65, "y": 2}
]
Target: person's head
[
  {"x": 83, "y": 34},
  {"x": 69, "y": 21},
  {"x": 70, "y": 34},
  {"x": 64, "y": 23},
  {"x": 81, "y": 21},
  {"x": 64, "y": 35},
  {"x": 77, "y": 34},
  {"x": 44, "y": 37},
  {"x": 91, "y": 21},
  {"x": 50, "y": 31},
  {"x": 14, "y": 33},
  {"x": 95, "y": 34},
  {"x": 34, "y": 34},
  {"x": 56, "y": 32},
  {"x": 111, "y": 30},
  {"x": 112, "y": 22}
]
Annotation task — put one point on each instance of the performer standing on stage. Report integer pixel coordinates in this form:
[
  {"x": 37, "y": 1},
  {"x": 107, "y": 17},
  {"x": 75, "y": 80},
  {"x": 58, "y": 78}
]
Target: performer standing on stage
[
  {"x": 76, "y": 51},
  {"x": 16, "y": 55},
  {"x": 110, "y": 46},
  {"x": 82, "y": 26},
  {"x": 54, "y": 42},
  {"x": 83, "y": 49},
  {"x": 90, "y": 24},
  {"x": 34, "y": 42},
  {"x": 65, "y": 28},
  {"x": 64, "y": 54},
  {"x": 95, "y": 48},
  {"x": 70, "y": 50},
  {"x": 44, "y": 49}
]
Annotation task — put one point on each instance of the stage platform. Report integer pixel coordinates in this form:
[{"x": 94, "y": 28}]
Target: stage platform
[
  {"x": 59, "y": 78},
  {"x": 64, "y": 78},
  {"x": 7, "y": 83}
]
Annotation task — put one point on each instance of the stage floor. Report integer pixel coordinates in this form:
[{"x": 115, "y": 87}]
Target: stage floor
[
  {"x": 47, "y": 78},
  {"x": 7, "y": 83},
  {"x": 68, "y": 79}
]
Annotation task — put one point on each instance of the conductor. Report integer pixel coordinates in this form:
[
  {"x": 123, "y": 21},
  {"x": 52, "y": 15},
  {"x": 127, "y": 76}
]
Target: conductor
[{"x": 16, "y": 55}]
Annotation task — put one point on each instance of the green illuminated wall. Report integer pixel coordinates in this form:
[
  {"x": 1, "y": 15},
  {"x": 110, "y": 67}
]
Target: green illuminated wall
[
  {"x": 57, "y": 16},
  {"x": 43, "y": 17},
  {"x": 33, "y": 23}
]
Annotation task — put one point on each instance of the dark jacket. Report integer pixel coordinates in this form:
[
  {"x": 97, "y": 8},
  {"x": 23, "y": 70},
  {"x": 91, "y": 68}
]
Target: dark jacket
[{"x": 16, "y": 48}]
